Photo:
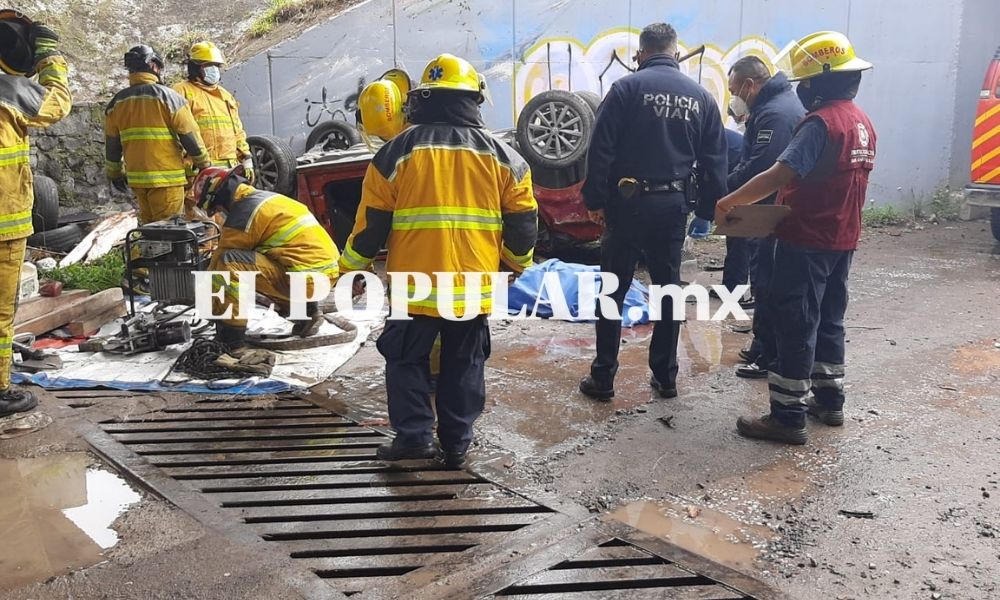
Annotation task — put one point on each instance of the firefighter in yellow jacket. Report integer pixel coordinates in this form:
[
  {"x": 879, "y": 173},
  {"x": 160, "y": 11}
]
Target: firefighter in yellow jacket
[
  {"x": 268, "y": 233},
  {"x": 23, "y": 104},
  {"x": 446, "y": 196},
  {"x": 215, "y": 109},
  {"x": 150, "y": 126}
]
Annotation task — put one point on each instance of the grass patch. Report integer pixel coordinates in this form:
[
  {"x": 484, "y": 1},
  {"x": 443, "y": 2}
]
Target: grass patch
[
  {"x": 281, "y": 11},
  {"x": 104, "y": 273},
  {"x": 881, "y": 216},
  {"x": 944, "y": 205}
]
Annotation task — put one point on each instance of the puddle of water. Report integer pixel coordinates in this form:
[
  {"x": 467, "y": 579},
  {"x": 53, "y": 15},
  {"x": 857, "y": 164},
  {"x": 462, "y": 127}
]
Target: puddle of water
[
  {"x": 55, "y": 516},
  {"x": 710, "y": 533}
]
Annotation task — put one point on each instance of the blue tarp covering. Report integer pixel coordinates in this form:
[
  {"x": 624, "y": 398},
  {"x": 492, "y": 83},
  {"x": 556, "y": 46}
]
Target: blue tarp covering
[
  {"x": 255, "y": 387},
  {"x": 528, "y": 290}
]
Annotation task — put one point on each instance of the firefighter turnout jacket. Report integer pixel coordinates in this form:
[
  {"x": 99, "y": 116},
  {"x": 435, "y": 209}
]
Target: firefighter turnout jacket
[
  {"x": 23, "y": 104},
  {"x": 445, "y": 198},
  {"x": 151, "y": 127},
  {"x": 281, "y": 229},
  {"x": 217, "y": 113}
]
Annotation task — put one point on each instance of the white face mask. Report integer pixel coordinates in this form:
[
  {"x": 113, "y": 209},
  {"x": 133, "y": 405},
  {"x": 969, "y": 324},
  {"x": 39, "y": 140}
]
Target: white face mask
[
  {"x": 212, "y": 75},
  {"x": 739, "y": 106}
]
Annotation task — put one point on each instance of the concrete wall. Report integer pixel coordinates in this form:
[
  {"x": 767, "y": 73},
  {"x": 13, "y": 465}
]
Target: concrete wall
[
  {"x": 72, "y": 153},
  {"x": 921, "y": 95}
]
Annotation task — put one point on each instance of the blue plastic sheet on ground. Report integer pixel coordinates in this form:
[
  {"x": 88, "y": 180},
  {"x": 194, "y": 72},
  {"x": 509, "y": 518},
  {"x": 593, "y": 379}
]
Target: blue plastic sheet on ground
[
  {"x": 254, "y": 387},
  {"x": 528, "y": 290}
]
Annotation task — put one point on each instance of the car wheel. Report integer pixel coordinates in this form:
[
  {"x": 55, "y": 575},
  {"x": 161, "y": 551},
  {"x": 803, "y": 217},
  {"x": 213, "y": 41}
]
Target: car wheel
[
  {"x": 45, "y": 210},
  {"x": 274, "y": 163},
  {"x": 995, "y": 223},
  {"x": 553, "y": 129},
  {"x": 593, "y": 99},
  {"x": 333, "y": 135},
  {"x": 60, "y": 239}
]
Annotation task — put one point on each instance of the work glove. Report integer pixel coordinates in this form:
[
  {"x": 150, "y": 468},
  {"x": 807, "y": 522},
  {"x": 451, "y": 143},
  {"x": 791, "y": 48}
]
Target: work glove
[
  {"x": 44, "y": 40},
  {"x": 120, "y": 183},
  {"x": 699, "y": 228},
  {"x": 248, "y": 171}
]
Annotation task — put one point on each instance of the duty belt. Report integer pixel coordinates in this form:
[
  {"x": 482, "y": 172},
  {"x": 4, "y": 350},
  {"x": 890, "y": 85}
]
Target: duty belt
[{"x": 628, "y": 186}]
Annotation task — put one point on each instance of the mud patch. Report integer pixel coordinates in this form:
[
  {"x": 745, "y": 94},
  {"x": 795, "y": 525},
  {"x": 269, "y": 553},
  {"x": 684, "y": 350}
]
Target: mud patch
[
  {"x": 56, "y": 513},
  {"x": 704, "y": 531}
]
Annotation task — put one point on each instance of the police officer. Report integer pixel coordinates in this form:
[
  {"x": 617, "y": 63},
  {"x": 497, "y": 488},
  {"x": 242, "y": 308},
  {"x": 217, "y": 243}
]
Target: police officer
[
  {"x": 823, "y": 176},
  {"x": 651, "y": 128},
  {"x": 772, "y": 111}
]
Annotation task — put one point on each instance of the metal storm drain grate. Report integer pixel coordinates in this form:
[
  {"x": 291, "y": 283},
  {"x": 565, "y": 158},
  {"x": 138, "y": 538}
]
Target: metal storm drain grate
[
  {"x": 618, "y": 569},
  {"x": 307, "y": 479}
]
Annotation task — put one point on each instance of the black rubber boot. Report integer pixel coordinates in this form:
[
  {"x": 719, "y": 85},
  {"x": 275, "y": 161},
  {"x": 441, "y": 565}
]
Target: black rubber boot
[
  {"x": 310, "y": 325},
  {"x": 662, "y": 390},
  {"x": 392, "y": 451},
  {"x": 452, "y": 459},
  {"x": 230, "y": 336},
  {"x": 826, "y": 416},
  {"x": 769, "y": 428},
  {"x": 751, "y": 371},
  {"x": 596, "y": 390},
  {"x": 14, "y": 401}
]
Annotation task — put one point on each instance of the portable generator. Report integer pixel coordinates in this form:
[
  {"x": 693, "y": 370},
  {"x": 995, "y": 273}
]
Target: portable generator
[{"x": 170, "y": 252}]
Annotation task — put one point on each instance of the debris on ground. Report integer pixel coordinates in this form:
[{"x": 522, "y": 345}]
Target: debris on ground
[
  {"x": 857, "y": 514},
  {"x": 667, "y": 420},
  {"x": 84, "y": 309},
  {"x": 107, "y": 234}
]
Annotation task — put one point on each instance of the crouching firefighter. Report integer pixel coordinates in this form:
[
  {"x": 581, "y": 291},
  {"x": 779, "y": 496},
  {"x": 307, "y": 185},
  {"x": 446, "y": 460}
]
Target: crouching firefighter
[{"x": 267, "y": 233}]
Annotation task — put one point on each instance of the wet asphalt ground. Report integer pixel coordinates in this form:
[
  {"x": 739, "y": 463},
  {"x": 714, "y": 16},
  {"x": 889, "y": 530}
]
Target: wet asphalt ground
[{"x": 902, "y": 502}]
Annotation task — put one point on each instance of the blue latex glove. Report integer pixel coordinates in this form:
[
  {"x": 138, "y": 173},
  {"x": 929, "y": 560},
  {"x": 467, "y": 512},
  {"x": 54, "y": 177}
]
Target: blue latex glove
[{"x": 699, "y": 228}]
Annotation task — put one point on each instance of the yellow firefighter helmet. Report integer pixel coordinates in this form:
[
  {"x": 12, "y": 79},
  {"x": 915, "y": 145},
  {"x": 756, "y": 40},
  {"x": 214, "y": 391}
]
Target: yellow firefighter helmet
[
  {"x": 206, "y": 52},
  {"x": 449, "y": 72},
  {"x": 818, "y": 53},
  {"x": 401, "y": 78},
  {"x": 380, "y": 112}
]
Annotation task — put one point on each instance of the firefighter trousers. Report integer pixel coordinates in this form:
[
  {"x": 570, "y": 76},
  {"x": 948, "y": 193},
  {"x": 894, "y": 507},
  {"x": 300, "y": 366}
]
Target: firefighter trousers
[
  {"x": 461, "y": 384},
  {"x": 809, "y": 291},
  {"x": 653, "y": 227},
  {"x": 158, "y": 204},
  {"x": 11, "y": 258}
]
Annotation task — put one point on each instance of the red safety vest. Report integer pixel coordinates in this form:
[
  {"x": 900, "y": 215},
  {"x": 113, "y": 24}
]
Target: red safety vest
[{"x": 827, "y": 203}]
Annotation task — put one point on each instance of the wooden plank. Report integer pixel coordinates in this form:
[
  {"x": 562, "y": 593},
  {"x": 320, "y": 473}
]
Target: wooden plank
[
  {"x": 385, "y": 545},
  {"x": 298, "y": 469},
  {"x": 354, "y": 585},
  {"x": 78, "y": 308},
  {"x": 330, "y": 443},
  {"x": 216, "y": 408},
  {"x": 330, "y": 424},
  {"x": 41, "y": 305},
  {"x": 561, "y": 576},
  {"x": 237, "y": 435},
  {"x": 295, "y": 518},
  {"x": 90, "y": 325},
  {"x": 716, "y": 592},
  {"x": 611, "y": 553},
  {"x": 353, "y": 496},
  {"x": 347, "y": 528},
  {"x": 346, "y": 480},
  {"x": 348, "y": 566},
  {"x": 241, "y": 415},
  {"x": 261, "y": 458}
]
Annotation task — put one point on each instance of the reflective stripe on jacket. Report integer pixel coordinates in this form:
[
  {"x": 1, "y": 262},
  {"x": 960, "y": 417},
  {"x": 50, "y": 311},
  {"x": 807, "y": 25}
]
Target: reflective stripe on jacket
[
  {"x": 216, "y": 112},
  {"x": 150, "y": 126},
  {"x": 23, "y": 104},
  {"x": 280, "y": 228},
  {"x": 445, "y": 198}
]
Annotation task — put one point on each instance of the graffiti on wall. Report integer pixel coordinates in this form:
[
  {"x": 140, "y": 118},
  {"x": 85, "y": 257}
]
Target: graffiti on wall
[
  {"x": 325, "y": 107},
  {"x": 568, "y": 64}
]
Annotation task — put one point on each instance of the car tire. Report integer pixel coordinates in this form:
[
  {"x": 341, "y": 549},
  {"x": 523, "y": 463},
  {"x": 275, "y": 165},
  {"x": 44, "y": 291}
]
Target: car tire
[
  {"x": 591, "y": 98},
  {"x": 333, "y": 135},
  {"x": 274, "y": 163},
  {"x": 554, "y": 128},
  {"x": 60, "y": 239},
  {"x": 995, "y": 223},
  {"x": 45, "y": 210}
]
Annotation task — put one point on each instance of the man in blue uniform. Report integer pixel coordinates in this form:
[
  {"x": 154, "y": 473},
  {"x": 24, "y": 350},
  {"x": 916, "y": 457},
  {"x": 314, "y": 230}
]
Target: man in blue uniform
[
  {"x": 650, "y": 129},
  {"x": 772, "y": 110}
]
